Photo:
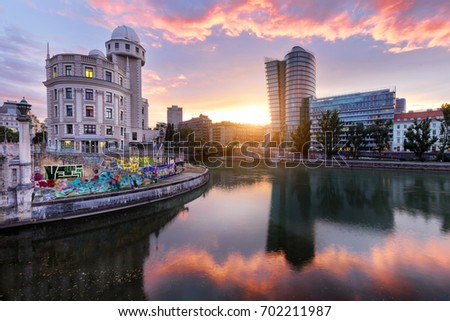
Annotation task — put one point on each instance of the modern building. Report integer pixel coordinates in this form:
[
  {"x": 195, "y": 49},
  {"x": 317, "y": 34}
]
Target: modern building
[
  {"x": 8, "y": 115},
  {"x": 226, "y": 132},
  {"x": 403, "y": 120},
  {"x": 95, "y": 100},
  {"x": 360, "y": 107},
  {"x": 400, "y": 105},
  {"x": 201, "y": 126},
  {"x": 174, "y": 115},
  {"x": 290, "y": 84}
]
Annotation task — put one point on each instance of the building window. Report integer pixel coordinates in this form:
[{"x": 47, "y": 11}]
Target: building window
[
  {"x": 122, "y": 131},
  {"x": 55, "y": 94},
  {"x": 69, "y": 93},
  {"x": 68, "y": 70},
  {"x": 14, "y": 176},
  {"x": 121, "y": 100},
  {"x": 55, "y": 72},
  {"x": 69, "y": 110},
  {"x": 89, "y": 111},
  {"x": 109, "y": 113},
  {"x": 116, "y": 45},
  {"x": 56, "y": 111},
  {"x": 121, "y": 115},
  {"x": 108, "y": 76},
  {"x": 90, "y": 129},
  {"x": 127, "y": 47},
  {"x": 142, "y": 110},
  {"x": 137, "y": 50},
  {"x": 56, "y": 129},
  {"x": 89, "y": 72},
  {"x": 121, "y": 81},
  {"x": 109, "y": 46},
  {"x": 108, "y": 97},
  {"x": 134, "y": 136},
  {"x": 89, "y": 94},
  {"x": 143, "y": 124},
  {"x": 109, "y": 130},
  {"x": 69, "y": 129}
]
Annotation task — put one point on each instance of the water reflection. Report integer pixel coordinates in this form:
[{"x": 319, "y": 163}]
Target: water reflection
[{"x": 263, "y": 234}]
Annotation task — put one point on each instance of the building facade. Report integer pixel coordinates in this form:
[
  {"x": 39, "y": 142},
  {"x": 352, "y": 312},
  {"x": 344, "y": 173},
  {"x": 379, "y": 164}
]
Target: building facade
[
  {"x": 403, "y": 120},
  {"x": 95, "y": 101},
  {"x": 8, "y": 115},
  {"x": 361, "y": 107},
  {"x": 201, "y": 126},
  {"x": 174, "y": 115},
  {"x": 226, "y": 132},
  {"x": 290, "y": 84}
]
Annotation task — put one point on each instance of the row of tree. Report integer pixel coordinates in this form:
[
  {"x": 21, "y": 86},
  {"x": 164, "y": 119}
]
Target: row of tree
[{"x": 357, "y": 137}]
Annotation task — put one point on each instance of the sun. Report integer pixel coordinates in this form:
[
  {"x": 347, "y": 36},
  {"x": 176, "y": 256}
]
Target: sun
[{"x": 246, "y": 114}]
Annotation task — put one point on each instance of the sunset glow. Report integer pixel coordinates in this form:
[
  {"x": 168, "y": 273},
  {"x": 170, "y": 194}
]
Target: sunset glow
[{"x": 208, "y": 56}]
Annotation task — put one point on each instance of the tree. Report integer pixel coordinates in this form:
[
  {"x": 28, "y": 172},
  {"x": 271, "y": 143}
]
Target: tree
[
  {"x": 418, "y": 138},
  {"x": 379, "y": 131},
  {"x": 302, "y": 137},
  {"x": 169, "y": 132},
  {"x": 445, "y": 131},
  {"x": 356, "y": 138},
  {"x": 330, "y": 127},
  {"x": 7, "y": 135},
  {"x": 40, "y": 138}
]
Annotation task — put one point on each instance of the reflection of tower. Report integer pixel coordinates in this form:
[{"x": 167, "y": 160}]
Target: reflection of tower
[{"x": 291, "y": 229}]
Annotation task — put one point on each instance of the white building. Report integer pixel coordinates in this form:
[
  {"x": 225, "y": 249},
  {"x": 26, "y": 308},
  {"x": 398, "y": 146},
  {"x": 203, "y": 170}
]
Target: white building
[
  {"x": 403, "y": 120},
  {"x": 95, "y": 101}
]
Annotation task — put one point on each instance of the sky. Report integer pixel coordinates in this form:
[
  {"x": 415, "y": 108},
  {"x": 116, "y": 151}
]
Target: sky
[{"x": 207, "y": 56}]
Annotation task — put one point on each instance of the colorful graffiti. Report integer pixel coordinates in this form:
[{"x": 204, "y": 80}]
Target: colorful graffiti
[
  {"x": 63, "y": 171},
  {"x": 123, "y": 177}
]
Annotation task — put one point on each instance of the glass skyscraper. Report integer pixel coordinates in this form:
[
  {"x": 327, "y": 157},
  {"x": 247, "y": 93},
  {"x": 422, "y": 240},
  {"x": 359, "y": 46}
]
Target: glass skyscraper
[{"x": 290, "y": 84}]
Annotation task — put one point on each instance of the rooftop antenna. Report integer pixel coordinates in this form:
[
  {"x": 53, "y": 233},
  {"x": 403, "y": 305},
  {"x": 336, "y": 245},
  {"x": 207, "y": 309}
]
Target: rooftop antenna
[{"x": 48, "y": 50}]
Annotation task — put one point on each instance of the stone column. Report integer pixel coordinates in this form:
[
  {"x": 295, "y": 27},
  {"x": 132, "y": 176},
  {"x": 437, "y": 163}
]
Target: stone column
[{"x": 25, "y": 188}]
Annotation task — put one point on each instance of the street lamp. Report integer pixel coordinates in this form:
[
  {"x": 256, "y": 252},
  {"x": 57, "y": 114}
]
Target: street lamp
[{"x": 24, "y": 108}]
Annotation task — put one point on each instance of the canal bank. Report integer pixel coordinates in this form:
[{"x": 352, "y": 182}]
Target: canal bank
[{"x": 102, "y": 203}]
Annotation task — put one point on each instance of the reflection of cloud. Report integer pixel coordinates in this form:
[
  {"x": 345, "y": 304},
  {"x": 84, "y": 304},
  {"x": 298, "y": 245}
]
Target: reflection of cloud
[
  {"x": 394, "y": 270},
  {"x": 404, "y": 24}
]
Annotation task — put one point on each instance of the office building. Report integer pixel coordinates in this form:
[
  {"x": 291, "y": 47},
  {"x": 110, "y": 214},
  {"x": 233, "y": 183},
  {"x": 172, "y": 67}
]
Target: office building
[
  {"x": 174, "y": 115},
  {"x": 290, "y": 84},
  {"x": 360, "y": 107},
  {"x": 95, "y": 101},
  {"x": 201, "y": 126}
]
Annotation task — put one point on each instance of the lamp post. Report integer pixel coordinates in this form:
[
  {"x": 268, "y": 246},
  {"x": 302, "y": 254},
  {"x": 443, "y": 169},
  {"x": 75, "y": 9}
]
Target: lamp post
[{"x": 25, "y": 187}]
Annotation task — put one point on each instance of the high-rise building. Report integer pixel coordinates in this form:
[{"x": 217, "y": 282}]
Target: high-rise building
[
  {"x": 400, "y": 105},
  {"x": 201, "y": 127},
  {"x": 174, "y": 115},
  {"x": 95, "y": 101},
  {"x": 290, "y": 84}
]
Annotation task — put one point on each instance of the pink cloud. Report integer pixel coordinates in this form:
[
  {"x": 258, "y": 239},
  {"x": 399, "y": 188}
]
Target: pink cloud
[{"x": 403, "y": 24}]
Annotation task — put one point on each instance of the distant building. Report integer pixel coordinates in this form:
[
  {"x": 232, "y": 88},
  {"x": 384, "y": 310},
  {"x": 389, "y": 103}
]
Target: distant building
[
  {"x": 400, "y": 105},
  {"x": 174, "y": 115},
  {"x": 226, "y": 132},
  {"x": 200, "y": 125},
  {"x": 290, "y": 83},
  {"x": 361, "y": 107},
  {"x": 8, "y": 115},
  {"x": 95, "y": 101},
  {"x": 404, "y": 120}
]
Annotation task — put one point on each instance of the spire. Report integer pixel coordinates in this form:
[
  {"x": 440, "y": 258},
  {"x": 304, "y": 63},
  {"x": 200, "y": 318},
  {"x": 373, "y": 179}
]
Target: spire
[{"x": 48, "y": 50}]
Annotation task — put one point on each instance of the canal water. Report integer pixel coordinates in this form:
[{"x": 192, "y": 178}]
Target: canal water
[{"x": 251, "y": 234}]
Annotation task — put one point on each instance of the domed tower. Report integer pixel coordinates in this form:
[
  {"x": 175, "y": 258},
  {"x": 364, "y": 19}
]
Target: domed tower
[
  {"x": 125, "y": 50},
  {"x": 300, "y": 85}
]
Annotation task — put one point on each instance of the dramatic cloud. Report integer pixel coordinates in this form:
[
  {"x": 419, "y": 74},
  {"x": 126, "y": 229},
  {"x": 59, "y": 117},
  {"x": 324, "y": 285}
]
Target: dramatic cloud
[{"x": 403, "y": 24}]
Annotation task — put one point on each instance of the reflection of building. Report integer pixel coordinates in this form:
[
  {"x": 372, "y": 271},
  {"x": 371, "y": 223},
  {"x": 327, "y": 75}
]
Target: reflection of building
[
  {"x": 174, "y": 115},
  {"x": 200, "y": 125},
  {"x": 361, "y": 107},
  {"x": 403, "y": 120},
  {"x": 96, "y": 100},
  {"x": 289, "y": 83},
  {"x": 226, "y": 132},
  {"x": 8, "y": 115},
  {"x": 291, "y": 226}
]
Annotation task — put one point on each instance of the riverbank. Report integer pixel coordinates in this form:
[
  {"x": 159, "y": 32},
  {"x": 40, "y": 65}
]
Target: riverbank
[{"x": 102, "y": 203}]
